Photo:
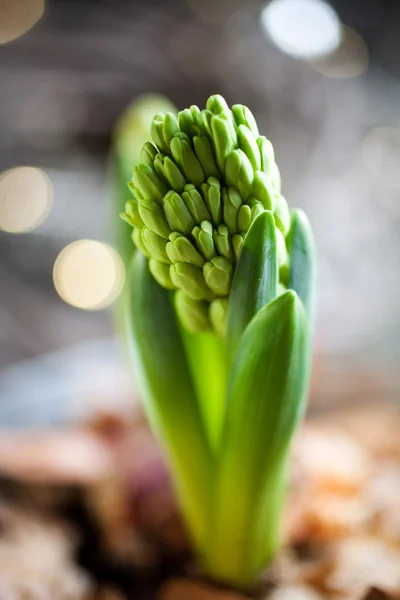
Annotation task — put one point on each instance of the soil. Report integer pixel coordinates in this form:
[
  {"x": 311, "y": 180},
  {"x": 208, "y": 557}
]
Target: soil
[{"x": 117, "y": 535}]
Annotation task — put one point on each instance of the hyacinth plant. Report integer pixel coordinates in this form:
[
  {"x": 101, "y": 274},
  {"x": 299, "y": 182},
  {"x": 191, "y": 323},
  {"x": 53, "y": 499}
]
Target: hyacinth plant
[{"x": 219, "y": 318}]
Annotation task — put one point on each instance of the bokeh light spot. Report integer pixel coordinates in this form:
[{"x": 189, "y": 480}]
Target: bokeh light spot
[
  {"x": 302, "y": 28},
  {"x": 88, "y": 274},
  {"x": 381, "y": 155},
  {"x": 18, "y": 16},
  {"x": 350, "y": 59},
  {"x": 26, "y": 197}
]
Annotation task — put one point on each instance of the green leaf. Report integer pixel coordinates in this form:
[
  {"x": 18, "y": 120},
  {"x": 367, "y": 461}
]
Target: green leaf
[
  {"x": 266, "y": 392},
  {"x": 302, "y": 253},
  {"x": 256, "y": 277},
  {"x": 164, "y": 380}
]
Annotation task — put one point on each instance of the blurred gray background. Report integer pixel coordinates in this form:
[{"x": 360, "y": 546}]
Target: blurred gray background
[{"x": 337, "y": 141}]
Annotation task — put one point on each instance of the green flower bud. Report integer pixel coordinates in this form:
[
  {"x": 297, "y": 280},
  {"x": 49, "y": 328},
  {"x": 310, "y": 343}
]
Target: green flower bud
[
  {"x": 157, "y": 133},
  {"x": 155, "y": 245},
  {"x": 196, "y": 193},
  {"x": 149, "y": 184},
  {"x": 192, "y": 313},
  {"x": 221, "y": 241},
  {"x": 180, "y": 249},
  {"x": 237, "y": 243},
  {"x": 131, "y": 214},
  {"x": 224, "y": 139},
  {"x": 212, "y": 198},
  {"x": 137, "y": 240},
  {"x": 178, "y": 216},
  {"x": 244, "y": 219},
  {"x": 263, "y": 190},
  {"x": 217, "y": 105},
  {"x": 161, "y": 274},
  {"x": 244, "y": 116},
  {"x": 239, "y": 173},
  {"x": 191, "y": 280},
  {"x": 186, "y": 122},
  {"x": 166, "y": 168},
  {"x": 256, "y": 209},
  {"x": 276, "y": 178},
  {"x": 218, "y": 315},
  {"x": 170, "y": 128},
  {"x": 248, "y": 144},
  {"x": 204, "y": 153},
  {"x": 231, "y": 202},
  {"x": 205, "y": 120},
  {"x": 134, "y": 191},
  {"x": 282, "y": 256},
  {"x": 218, "y": 275},
  {"x": 195, "y": 204},
  {"x": 267, "y": 154},
  {"x": 204, "y": 239},
  {"x": 199, "y": 128},
  {"x": 282, "y": 215},
  {"x": 187, "y": 160},
  {"x": 148, "y": 154},
  {"x": 153, "y": 217}
]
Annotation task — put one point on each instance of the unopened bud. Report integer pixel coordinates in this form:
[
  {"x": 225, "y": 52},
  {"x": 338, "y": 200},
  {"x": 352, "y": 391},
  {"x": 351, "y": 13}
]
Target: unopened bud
[{"x": 218, "y": 275}]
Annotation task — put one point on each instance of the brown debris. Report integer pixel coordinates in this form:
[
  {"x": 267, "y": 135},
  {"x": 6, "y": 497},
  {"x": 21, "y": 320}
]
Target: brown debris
[
  {"x": 36, "y": 559},
  {"x": 184, "y": 589}
]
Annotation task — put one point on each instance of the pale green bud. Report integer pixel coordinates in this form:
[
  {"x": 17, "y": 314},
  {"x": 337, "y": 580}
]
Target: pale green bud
[
  {"x": 166, "y": 168},
  {"x": 282, "y": 215},
  {"x": 221, "y": 241},
  {"x": 239, "y": 173},
  {"x": 155, "y": 245},
  {"x": 205, "y": 120},
  {"x": 212, "y": 198},
  {"x": 224, "y": 139},
  {"x": 180, "y": 249},
  {"x": 244, "y": 219},
  {"x": 231, "y": 205},
  {"x": 136, "y": 236},
  {"x": 148, "y": 154},
  {"x": 218, "y": 315},
  {"x": 149, "y": 184},
  {"x": 195, "y": 204},
  {"x": 256, "y": 210},
  {"x": 282, "y": 256},
  {"x": 244, "y": 116},
  {"x": 276, "y": 178},
  {"x": 177, "y": 213},
  {"x": 205, "y": 154},
  {"x": 186, "y": 122},
  {"x": 187, "y": 160},
  {"x": 218, "y": 275},
  {"x": 153, "y": 217},
  {"x": 248, "y": 144},
  {"x": 263, "y": 190},
  {"x": 267, "y": 154},
  {"x": 237, "y": 243},
  {"x": 192, "y": 313},
  {"x": 191, "y": 280},
  {"x": 204, "y": 239},
  {"x": 170, "y": 127},
  {"x": 161, "y": 273},
  {"x": 131, "y": 214},
  {"x": 157, "y": 133}
]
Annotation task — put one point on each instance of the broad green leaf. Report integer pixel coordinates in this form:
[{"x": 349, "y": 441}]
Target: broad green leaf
[
  {"x": 163, "y": 377},
  {"x": 302, "y": 260},
  {"x": 266, "y": 394},
  {"x": 256, "y": 277}
]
